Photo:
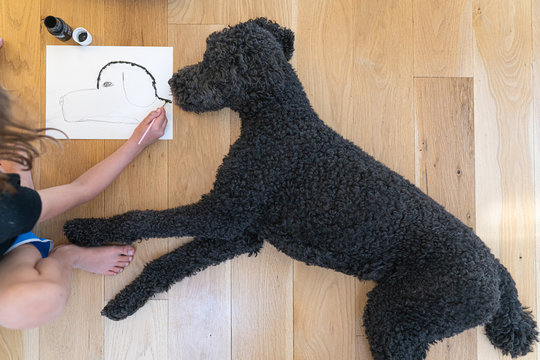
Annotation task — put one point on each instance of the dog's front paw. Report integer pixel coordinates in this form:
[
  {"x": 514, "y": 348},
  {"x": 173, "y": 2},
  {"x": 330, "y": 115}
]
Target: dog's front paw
[
  {"x": 125, "y": 303},
  {"x": 116, "y": 311},
  {"x": 88, "y": 232}
]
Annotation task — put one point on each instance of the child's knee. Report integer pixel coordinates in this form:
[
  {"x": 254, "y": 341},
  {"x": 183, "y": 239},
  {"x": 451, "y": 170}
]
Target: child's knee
[{"x": 28, "y": 305}]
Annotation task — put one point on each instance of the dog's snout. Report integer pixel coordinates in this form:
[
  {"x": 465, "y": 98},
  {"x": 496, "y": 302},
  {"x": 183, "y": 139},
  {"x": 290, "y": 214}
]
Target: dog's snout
[
  {"x": 180, "y": 79},
  {"x": 178, "y": 82},
  {"x": 194, "y": 89}
]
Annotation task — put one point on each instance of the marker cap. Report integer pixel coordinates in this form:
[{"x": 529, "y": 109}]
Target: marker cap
[{"x": 82, "y": 36}]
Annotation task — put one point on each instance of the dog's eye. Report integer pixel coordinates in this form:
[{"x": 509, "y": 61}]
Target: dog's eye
[{"x": 107, "y": 84}]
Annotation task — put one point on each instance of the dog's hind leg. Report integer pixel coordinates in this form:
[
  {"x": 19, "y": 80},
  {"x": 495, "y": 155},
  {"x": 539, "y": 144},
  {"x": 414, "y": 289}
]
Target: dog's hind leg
[
  {"x": 403, "y": 316},
  {"x": 185, "y": 261}
]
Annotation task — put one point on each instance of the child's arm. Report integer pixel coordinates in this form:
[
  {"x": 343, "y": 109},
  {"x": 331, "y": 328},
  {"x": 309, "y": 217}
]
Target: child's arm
[{"x": 58, "y": 199}]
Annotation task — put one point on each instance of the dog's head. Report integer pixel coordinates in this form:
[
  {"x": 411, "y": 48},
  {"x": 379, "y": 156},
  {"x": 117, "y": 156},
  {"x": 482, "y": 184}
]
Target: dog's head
[{"x": 241, "y": 64}]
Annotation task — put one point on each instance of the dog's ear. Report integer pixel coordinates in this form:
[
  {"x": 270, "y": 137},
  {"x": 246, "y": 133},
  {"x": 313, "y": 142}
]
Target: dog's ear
[{"x": 283, "y": 35}]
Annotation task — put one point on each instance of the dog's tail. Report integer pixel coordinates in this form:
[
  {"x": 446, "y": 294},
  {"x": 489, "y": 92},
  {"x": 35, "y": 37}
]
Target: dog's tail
[{"x": 512, "y": 329}]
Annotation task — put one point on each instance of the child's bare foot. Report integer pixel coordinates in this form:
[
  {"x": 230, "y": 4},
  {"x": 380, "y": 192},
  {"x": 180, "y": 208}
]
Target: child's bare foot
[{"x": 105, "y": 260}]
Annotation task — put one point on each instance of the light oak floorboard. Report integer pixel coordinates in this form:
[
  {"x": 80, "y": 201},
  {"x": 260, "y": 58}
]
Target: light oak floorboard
[
  {"x": 504, "y": 141},
  {"x": 445, "y": 131}
]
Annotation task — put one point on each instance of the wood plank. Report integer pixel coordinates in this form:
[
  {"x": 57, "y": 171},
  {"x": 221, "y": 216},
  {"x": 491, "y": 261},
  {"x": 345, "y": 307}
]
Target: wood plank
[
  {"x": 229, "y": 12},
  {"x": 488, "y": 196},
  {"x": 11, "y": 344},
  {"x": 383, "y": 122},
  {"x": 536, "y": 137},
  {"x": 126, "y": 23},
  {"x": 445, "y": 151},
  {"x": 20, "y": 76},
  {"x": 31, "y": 344},
  {"x": 186, "y": 12},
  {"x": 324, "y": 301},
  {"x": 200, "y": 315},
  {"x": 19, "y": 345},
  {"x": 276, "y": 10},
  {"x": 262, "y": 308},
  {"x": 60, "y": 166},
  {"x": 445, "y": 132},
  {"x": 442, "y": 38},
  {"x": 504, "y": 142},
  {"x": 199, "y": 307},
  {"x": 323, "y": 314},
  {"x": 141, "y": 336}
]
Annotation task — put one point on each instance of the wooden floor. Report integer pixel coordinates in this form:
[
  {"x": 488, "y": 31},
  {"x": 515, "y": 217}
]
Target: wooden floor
[{"x": 447, "y": 93}]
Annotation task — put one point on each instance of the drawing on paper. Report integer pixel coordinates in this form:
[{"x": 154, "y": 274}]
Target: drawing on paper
[
  {"x": 123, "y": 89},
  {"x": 104, "y": 92}
]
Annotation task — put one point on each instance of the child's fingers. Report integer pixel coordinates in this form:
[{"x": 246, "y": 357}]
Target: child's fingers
[
  {"x": 164, "y": 120},
  {"x": 161, "y": 119},
  {"x": 152, "y": 127},
  {"x": 161, "y": 126},
  {"x": 153, "y": 115}
]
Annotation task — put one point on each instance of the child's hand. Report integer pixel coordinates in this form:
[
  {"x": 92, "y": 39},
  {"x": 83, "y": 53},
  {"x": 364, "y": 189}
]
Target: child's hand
[{"x": 155, "y": 123}]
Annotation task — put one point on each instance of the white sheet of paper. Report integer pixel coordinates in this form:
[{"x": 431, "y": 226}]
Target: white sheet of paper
[{"x": 103, "y": 92}]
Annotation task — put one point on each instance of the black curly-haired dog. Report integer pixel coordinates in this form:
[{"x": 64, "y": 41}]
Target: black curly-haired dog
[{"x": 294, "y": 182}]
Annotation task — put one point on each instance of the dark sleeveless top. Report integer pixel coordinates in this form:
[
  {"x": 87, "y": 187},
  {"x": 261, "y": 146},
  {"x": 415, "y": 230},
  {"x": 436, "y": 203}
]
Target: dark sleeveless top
[{"x": 19, "y": 212}]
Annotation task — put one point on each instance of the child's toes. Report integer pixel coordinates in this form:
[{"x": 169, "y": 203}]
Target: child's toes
[
  {"x": 124, "y": 258},
  {"x": 115, "y": 270},
  {"x": 110, "y": 273},
  {"x": 127, "y": 250}
]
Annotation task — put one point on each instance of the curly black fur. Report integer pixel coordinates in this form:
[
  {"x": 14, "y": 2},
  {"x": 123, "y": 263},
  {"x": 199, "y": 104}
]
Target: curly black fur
[{"x": 291, "y": 180}]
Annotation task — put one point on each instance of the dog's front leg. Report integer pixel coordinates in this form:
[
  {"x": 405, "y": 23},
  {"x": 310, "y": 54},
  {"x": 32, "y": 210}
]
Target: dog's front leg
[
  {"x": 185, "y": 261},
  {"x": 212, "y": 217}
]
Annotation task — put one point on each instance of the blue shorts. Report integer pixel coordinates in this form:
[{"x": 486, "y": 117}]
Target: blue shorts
[{"x": 44, "y": 246}]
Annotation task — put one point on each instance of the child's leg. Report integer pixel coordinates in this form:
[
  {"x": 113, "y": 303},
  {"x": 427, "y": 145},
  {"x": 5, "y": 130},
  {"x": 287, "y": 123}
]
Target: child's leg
[{"x": 33, "y": 290}]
